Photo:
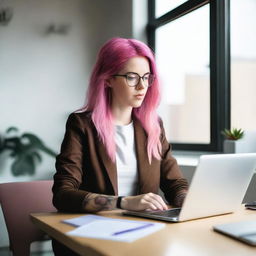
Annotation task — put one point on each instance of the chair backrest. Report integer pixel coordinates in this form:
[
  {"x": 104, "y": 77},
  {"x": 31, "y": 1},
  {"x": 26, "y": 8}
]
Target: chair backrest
[{"x": 18, "y": 200}]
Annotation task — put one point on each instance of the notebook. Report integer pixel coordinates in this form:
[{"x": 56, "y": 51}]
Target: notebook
[
  {"x": 218, "y": 187},
  {"x": 244, "y": 231}
]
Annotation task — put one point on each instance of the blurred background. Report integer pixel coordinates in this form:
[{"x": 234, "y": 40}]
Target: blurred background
[{"x": 48, "y": 49}]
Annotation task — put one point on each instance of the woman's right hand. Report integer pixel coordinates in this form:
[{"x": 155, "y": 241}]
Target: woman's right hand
[{"x": 149, "y": 201}]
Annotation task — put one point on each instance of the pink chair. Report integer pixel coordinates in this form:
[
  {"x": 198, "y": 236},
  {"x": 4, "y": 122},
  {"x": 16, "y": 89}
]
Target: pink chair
[{"x": 18, "y": 200}]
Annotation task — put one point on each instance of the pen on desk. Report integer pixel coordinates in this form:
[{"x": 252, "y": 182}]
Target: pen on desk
[{"x": 132, "y": 229}]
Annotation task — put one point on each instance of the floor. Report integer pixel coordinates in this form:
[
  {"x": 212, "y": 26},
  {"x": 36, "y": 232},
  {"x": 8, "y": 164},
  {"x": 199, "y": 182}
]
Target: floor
[
  {"x": 6, "y": 252},
  {"x": 37, "y": 249}
]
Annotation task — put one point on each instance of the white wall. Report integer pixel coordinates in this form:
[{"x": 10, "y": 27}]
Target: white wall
[
  {"x": 140, "y": 19},
  {"x": 44, "y": 77}
]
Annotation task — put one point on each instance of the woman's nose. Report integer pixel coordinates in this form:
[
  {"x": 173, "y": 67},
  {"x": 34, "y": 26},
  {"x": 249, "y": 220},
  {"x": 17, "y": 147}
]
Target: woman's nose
[{"x": 141, "y": 84}]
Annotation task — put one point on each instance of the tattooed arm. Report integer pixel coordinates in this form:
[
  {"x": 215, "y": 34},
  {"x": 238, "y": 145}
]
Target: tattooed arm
[{"x": 97, "y": 202}]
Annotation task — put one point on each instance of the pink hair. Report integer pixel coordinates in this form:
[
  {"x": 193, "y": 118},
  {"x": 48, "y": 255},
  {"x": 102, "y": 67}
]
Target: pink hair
[{"x": 111, "y": 59}]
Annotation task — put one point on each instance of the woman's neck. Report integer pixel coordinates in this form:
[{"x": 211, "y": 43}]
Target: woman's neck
[{"x": 122, "y": 116}]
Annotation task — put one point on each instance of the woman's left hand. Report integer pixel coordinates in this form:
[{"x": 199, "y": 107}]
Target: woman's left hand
[{"x": 148, "y": 201}]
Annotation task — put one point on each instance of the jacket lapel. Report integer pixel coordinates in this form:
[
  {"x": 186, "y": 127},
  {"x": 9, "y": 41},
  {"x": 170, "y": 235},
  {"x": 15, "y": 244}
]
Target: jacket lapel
[
  {"x": 141, "y": 154},
  {"x": 110, "y": 166},
  {"x": 148, "y": 173}
]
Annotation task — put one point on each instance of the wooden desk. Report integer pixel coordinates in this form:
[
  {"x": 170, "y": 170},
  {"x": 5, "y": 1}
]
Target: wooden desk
[{"x": 193, "y": 238}]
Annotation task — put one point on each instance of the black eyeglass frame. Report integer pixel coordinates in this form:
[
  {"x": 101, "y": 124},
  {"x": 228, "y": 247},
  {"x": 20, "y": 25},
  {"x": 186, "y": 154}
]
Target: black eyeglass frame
[{"x": 140, "y": 77}]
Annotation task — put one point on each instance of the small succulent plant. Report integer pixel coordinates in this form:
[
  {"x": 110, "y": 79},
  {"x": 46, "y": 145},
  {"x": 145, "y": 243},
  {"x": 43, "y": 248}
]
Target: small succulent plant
[{"x": 233, "y": 134}]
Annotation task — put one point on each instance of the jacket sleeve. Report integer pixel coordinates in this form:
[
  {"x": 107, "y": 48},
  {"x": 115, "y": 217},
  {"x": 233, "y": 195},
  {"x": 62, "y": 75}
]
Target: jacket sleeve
[
  {"x": 172, "y": 182},
  {"x": 69, "y": 171}
]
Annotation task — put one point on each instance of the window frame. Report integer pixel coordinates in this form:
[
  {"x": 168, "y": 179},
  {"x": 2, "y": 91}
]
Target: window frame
[{"x": 219, "y": 64}]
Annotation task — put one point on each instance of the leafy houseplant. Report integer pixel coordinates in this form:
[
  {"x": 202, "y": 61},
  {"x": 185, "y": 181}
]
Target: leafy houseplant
[
  {"x": 24, "y": 149},
  {"x": 233, "y": 142}
]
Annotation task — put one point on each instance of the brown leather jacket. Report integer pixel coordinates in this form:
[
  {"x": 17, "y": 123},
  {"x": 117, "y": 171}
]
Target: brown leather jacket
[{"x": 83, "y": 166}]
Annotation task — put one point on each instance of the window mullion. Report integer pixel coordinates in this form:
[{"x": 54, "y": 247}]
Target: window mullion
[{"x": 220, "y": 70}]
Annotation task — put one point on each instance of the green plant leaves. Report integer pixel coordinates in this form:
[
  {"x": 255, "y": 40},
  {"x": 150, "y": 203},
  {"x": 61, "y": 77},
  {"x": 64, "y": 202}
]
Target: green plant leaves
[
  {"x": 233, "y": 134},
  {"x": 25, "y": 150},
  {"x": 37, "y": 143},
  {"x": 12, "y": 128},
  {"x": 24, "y": 164}
]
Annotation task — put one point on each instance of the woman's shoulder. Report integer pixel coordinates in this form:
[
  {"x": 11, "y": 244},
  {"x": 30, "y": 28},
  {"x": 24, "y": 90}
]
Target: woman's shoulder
[
  {"x": 81, "y": 117},
  {"x": 81, "y": 114}
]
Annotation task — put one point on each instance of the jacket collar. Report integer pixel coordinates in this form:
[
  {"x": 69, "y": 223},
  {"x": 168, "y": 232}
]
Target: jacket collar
[
  {"x": 145, "y": 169},
  {"x": 110, "y": 166}
]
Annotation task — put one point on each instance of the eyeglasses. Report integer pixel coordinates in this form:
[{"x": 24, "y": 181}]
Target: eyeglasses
[{"x": 133, "y": 79}]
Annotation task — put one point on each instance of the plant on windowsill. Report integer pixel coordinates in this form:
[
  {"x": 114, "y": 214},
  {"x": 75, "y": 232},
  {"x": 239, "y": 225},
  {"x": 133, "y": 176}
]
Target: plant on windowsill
[
  {"x": 24, "y": 149},
  {"x": 233, "y": 134},
  {"x": 233, "y": 142}
]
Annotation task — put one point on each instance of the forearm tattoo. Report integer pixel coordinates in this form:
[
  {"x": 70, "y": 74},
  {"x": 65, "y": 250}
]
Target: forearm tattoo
[{"x": 95, "y": 202}]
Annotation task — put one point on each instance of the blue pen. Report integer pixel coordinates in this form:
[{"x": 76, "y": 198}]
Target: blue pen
[{"x": 132, "y": 229}]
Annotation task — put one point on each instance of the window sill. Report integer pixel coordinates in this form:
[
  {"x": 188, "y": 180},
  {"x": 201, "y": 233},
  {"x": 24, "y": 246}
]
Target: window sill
[{"x": 189, "y": 158}]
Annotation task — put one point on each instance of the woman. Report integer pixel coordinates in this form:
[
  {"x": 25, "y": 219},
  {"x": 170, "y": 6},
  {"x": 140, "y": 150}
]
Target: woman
[{"x": 114, "y": 153}]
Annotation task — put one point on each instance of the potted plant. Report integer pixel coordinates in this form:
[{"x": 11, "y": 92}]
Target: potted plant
[
  {"x": 24, "y": 149},
  {"x": 233, "y": 142}
]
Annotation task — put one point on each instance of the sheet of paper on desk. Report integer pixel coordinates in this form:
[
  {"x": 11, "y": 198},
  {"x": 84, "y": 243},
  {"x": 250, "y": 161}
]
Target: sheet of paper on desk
[
  {"x": 82, "y": 220},
  {"x": 112, "y": 229}
]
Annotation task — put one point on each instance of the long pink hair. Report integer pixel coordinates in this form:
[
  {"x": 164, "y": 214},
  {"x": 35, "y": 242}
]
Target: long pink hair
[{"x": 111, "y": 59}]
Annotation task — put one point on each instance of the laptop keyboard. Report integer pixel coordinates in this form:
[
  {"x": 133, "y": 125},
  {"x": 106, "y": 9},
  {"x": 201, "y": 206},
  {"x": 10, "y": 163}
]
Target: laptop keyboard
[{"x": 168, "y": 213}]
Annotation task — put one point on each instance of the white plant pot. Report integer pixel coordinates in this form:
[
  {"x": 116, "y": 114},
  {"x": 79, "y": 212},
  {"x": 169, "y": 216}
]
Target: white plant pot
[{"x": 235, "y": 146}]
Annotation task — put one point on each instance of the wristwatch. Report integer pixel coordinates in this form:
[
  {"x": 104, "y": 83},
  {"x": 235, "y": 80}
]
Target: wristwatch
[{"x": 118, "y": 202}]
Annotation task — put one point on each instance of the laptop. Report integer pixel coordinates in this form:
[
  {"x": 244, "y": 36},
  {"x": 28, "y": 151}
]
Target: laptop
[
  {"x": 217, "y": 187},
  {"x": 244, "y": 231}
]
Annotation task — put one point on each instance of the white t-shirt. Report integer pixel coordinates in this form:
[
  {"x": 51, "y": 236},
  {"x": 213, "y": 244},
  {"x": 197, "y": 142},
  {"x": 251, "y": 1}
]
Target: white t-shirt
[{"x": 126, "y": 162}]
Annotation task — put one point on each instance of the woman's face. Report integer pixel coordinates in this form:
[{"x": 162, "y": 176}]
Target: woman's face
[{"x": 123, "y": 95}]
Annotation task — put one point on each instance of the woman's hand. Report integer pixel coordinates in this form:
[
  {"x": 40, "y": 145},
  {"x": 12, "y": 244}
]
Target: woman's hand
[{"x": 149, "y": 201}]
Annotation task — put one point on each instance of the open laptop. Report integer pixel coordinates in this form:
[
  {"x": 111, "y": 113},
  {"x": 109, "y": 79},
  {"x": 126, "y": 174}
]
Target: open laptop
[
  {"x": 244, "y": 231},
  {"x": 218, "y": 187}
]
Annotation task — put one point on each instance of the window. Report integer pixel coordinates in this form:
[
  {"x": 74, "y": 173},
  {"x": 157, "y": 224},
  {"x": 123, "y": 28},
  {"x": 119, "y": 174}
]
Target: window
[
  {"x": 163, "y": 6},
  {"x": 183, "y": 63},
  {"x": 243, "y": 64},
  {"x": 191, "y": 44}
]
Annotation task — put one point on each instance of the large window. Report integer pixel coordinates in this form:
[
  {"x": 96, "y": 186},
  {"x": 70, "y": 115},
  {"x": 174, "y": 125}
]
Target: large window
[
  {"x": 163, "y": 6},
  {"x": 243, "y": 64},
  {"x": 191, "y": 43},
  {"x": 183, "y": 62}
]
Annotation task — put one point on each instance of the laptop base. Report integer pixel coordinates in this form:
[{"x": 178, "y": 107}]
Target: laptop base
[{"x": 171, "y": 215}]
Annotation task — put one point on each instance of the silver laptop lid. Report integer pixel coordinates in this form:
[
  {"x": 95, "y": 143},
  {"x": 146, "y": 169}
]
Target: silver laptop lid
[
  {"x": 218, "y": 185},
  {"x": 244, "y": 231}
]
